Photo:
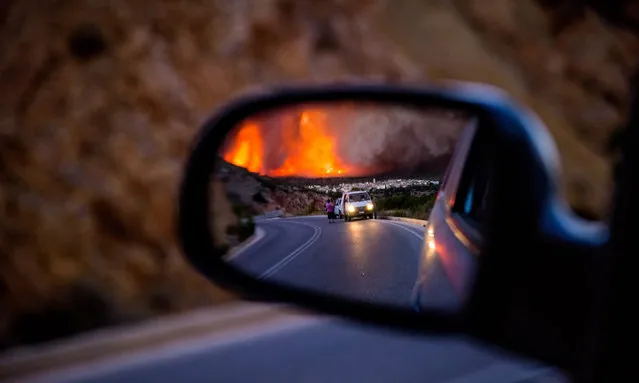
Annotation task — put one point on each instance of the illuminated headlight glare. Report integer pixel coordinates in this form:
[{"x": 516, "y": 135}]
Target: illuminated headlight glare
[
  {"x": 430, "y": 238},
  {"x": 369, "y": 206},
  {"x": 350, "y": 209}
]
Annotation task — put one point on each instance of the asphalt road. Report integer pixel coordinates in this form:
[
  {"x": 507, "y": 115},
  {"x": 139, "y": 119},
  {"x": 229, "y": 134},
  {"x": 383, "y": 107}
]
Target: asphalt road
[
  {"x": 370, "y": 259},
  {"x": 374, "y": 260},
  {"x": 249, "y": 343},
  {"x": 333, "y": 352}
]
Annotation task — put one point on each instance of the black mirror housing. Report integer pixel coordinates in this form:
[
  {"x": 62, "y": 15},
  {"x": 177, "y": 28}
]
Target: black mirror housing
[{"x": 531, "y": 263}]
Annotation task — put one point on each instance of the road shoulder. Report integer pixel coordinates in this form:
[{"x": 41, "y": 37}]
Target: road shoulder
[{"x": 88, "y": 354}]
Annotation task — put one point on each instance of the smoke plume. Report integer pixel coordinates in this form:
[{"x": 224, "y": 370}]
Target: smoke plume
[
  {"x": 390, "y": 138},
  {"x": 352, "y": 139}
]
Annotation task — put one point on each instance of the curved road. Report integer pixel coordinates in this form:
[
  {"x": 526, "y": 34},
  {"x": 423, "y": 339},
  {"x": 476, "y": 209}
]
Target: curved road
[
  {"x": 374, "y": 260},
  {"x": 371, "y": 259}
]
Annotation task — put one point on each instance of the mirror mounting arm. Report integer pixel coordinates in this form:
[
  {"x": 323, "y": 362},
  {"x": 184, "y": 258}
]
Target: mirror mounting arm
[
  {"x": 618, "y": 334},
  {"x": 533, "y": 289}
]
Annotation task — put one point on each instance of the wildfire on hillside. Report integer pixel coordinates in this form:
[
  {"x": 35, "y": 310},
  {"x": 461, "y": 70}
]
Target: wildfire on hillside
[
  {"x": 247, "y": 148},
  {"x": 341, "y": 140},
  {"x": 309, "y": 148}
]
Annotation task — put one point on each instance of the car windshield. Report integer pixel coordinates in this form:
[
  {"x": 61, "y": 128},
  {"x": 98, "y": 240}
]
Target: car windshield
[{"x": 359, "y": 197}]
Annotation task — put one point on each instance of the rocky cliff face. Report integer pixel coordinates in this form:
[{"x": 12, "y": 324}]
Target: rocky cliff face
[
  {"x": 99, "y": 102},
  {"x": 256, "y": 195}
]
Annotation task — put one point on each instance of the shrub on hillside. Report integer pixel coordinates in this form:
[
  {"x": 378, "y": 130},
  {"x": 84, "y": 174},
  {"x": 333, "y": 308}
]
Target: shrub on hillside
[
  {"x": 406, "y": 205},
  {"x": 246, "y": 228}
]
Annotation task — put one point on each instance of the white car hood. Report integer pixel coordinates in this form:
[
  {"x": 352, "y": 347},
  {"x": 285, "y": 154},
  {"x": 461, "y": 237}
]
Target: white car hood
[{"x": 358, "y": 204}]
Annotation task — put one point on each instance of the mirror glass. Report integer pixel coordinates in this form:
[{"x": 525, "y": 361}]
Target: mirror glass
[{"x": 341, "y": 198}]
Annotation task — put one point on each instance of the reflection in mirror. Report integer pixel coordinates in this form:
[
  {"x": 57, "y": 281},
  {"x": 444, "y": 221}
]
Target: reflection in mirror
[{"x": 339, "y": 198}]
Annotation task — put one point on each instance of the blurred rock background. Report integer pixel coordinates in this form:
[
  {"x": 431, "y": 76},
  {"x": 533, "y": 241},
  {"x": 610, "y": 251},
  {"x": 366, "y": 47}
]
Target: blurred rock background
[{"x": 100, "y": 100}]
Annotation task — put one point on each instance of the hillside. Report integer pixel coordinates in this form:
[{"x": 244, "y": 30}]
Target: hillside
[
  {"x": 100, "y": 102},
  {"x": 257, "y": 194}
]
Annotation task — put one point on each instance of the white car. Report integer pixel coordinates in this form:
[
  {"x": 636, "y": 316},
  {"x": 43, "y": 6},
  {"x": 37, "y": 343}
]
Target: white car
[
  {"x": 338, "y": 208},
  {"x": 357, "y": 204}
]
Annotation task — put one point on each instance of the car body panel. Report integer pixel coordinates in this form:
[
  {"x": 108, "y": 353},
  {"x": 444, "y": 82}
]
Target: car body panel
[
  {"x": 448, "y": 246},
  {"x": 338, "y": 208},
  {"x": 359, "y": 208}
]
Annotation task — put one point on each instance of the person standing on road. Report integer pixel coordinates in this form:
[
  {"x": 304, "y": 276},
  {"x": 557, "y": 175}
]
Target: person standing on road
[{"x": 330, "y": 211}]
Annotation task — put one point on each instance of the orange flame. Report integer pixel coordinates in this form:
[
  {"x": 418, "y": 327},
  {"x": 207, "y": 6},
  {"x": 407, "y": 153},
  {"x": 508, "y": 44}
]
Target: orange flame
[
  {"x": 309, "y": 147},
  {"x": 312, "y": 152},
  {"x": 246, "y": 149}
]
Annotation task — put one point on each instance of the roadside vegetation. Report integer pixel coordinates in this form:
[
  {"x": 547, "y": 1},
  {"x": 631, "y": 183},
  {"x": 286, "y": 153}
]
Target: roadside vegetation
[
  {"x": 406, "y": 205},
  {"x": 245, "y": 224},
  {"x": 410, "y": 202}
]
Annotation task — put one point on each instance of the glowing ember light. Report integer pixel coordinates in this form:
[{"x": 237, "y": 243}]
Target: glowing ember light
[
  {"x": 247, "y": 148},
  {"x": 310, "y": 149}
]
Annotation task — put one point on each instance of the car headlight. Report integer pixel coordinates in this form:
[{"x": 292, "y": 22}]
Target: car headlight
[
  {"x": 369, "y": 206},
  {"x": 350, "y": 208}
]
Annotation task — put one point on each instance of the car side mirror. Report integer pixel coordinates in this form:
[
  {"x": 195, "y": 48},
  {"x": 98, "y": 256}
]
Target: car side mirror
[{"x": 514, "y": 276}]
